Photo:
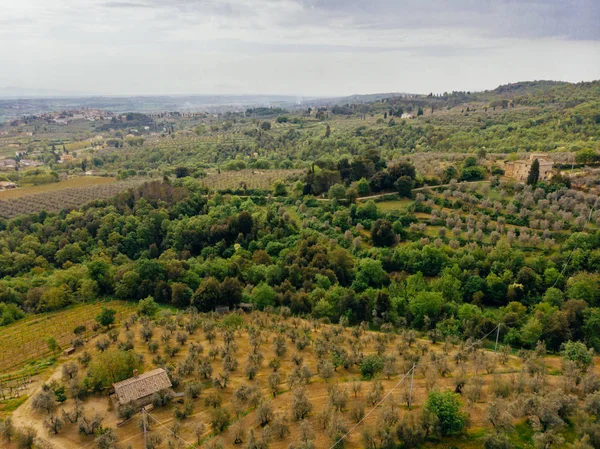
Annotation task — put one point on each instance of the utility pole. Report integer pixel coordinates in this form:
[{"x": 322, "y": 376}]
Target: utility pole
[
  {"x": 412, "y": 378},
  {"x": 144, "y": 421},
  {"x": 497, "y": 335}
]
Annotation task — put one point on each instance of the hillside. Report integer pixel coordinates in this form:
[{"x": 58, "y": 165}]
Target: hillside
[
  {"x": 280, "y": 381},
  {"x": 459, "y": 234}
]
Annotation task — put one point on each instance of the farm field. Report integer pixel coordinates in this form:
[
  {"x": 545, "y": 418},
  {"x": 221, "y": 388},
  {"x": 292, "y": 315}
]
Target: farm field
[
  {"x": 386, "y": 206},
  {"x": 317, "y": 364},
  {"x": 79, "y": 181},
  {"x": 248, "y": 179},
  {"x": 26, "y": 341},
  {"x": 54, "y": 197}
]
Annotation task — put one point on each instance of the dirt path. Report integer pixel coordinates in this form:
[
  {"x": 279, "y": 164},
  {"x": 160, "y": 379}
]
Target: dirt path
[{"x": 25, "y": 416}]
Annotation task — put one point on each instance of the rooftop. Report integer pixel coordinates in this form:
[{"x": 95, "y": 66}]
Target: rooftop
[{"x": 141, "y": 386}]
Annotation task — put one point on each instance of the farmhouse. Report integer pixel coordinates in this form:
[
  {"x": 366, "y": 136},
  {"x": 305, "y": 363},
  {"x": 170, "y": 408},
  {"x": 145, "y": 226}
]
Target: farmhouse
[
  {"x": 7, "y": 185},
  {"x": 8, "y": 163},
  {"x": 66, "y": 158},
  {"x": 30, "y": 163},
  {"x": 138, "y": 390},
  {"x": 520, "y": 169}
]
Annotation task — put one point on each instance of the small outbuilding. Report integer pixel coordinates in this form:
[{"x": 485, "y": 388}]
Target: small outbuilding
[
  {"x": 138, "y": 390},
  {"x": 222, "y": 310},
  {"x": 246, "y": 307}
]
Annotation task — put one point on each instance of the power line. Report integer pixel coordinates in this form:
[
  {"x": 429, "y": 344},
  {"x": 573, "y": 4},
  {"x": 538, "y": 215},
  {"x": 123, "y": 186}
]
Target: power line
[
  {"x": 589, "y": 218},
  {"x": 162, "y": 425},
  {"x": 402, "y": 379}
]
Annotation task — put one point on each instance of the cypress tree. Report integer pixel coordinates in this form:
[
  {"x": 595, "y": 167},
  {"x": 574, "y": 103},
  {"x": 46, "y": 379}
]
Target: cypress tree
[{"x": 534, "y": 173}]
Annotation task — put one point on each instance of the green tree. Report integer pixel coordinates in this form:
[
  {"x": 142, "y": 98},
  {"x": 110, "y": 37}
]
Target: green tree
[
  {"x": 147, "y": 307},
  {"x": 279, "y": 188},
  {"x": 112, "y": 366},
  {"x": 534, "y": 173},
  {"x": 587, "y": 156},
  {"x": 447, "y": 407},
  {"x": 531, "y": 332},
  {"x": 577, "y": 352},
  {"x": 208, "y": 295},
  {"x": 263, "y": 295},
  {"x": 425, "y": 304},
  {"x": 106, "y": 317},
  {"x": 449, "y": 173},
  {"x": 53, "y": 345},
  {"x": 404, "y": 186},
  {"x": 371, "y": 365},
  {"x": 382, "y": 233},
  {"x": 362, "y": 187},
  {"x": 336, "y": 192},
  {"x": 182, "y": 172}
]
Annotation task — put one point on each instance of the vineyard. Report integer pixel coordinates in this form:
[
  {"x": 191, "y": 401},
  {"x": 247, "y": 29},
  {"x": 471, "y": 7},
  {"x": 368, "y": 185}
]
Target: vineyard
[
  {"x": 67, "y": 198},
  {"x": 26, "y": 341}
]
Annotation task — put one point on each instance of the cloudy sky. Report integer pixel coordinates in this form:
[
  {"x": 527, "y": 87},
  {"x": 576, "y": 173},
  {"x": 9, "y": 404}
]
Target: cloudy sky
[{"x": 298, "y": 47}]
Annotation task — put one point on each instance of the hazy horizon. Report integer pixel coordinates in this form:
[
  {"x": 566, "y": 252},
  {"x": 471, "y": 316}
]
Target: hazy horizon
[{"x": 310, "y": 48}]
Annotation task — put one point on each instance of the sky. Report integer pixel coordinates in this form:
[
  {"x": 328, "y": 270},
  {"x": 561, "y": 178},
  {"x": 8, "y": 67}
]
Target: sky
[{"x": 294, "y": 47}]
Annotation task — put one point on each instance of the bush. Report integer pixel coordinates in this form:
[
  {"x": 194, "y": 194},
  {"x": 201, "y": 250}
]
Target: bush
[
  {"x": 147, "y": 307},
  {"x": 447, "y": 408},
  {"x": 371, "y": 365},
  {"x": 112, "y": 366},
  {"x": 219, "y": 419}
]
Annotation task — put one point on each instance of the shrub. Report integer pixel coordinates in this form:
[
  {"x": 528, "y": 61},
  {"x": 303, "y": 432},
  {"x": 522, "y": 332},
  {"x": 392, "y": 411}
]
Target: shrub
[
  {"x": 447, "y": 408},
  {"x": 371, "y": 365}
]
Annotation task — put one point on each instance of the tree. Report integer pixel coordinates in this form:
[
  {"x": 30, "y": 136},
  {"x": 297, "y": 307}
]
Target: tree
[
  {"x": 44, "y": 402},
  {"x": 53, "y": 345},
  {"x": 449, "y": 173},
  {"x": 208, "y": 295},
  {"x": 382, "y": 233},
  {"x": 26, "y": 438},
  {"x": 587, "y": 156},
  {"x": 425, "y": 304},
  {"x": 327, "y": 131},
  {"x": 371, "y": 365},
  {"x": 263, "y": 295},
  {"x": 400, "y": 169},
  {"x": 362, "y": 187},
  {"x": 265, "y": 126},
  {"x": 447, "y": 408},
  {"x": 182, "y": 172},
  {"x": 7, "y": 429},
  {"x": 219, "y": 419},
  {"x": 147, "y": 307},
  {"x": 301, "y": 405},
  {"x": 534, "y": 173},
  {"x": 112, "y": 366},
  {"x": 404, "y": 186},
  {"x": 279, "y": 188},
  {"x": 577, "y": 352},
  {"x": 336, "y": 192},
  {"x": 106, "y": 317}
]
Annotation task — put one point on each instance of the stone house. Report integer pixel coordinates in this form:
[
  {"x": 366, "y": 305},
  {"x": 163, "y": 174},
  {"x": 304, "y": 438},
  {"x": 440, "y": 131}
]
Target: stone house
[
  {"x": 519, "y": 170},
  {"x": 138, "y": 390}
]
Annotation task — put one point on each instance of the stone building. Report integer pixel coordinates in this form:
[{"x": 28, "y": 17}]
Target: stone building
[
  {"x": 138, "y": 390},
  {"x": 519, "y": 170}
]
